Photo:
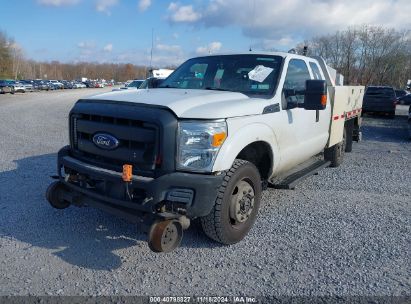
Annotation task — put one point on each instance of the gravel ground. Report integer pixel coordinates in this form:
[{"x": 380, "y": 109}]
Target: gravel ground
[{"x": 343, "y": 232}]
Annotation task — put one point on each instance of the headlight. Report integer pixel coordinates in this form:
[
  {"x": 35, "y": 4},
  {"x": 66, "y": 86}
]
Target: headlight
[{"x": 198, "y": 144}]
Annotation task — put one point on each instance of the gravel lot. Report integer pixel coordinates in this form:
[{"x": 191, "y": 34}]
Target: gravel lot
[{"x": 343, "y": 232}]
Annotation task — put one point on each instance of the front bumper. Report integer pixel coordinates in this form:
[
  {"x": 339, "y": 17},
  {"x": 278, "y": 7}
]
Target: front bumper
[{"x": 169, "y": 195}]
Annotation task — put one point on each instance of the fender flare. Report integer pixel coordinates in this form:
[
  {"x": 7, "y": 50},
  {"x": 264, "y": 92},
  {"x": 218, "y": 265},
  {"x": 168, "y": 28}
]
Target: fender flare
[{"x": 243, "y": 137}]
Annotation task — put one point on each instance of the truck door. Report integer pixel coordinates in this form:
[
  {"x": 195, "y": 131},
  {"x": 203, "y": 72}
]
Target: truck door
[{"x": 310, "y": 136}]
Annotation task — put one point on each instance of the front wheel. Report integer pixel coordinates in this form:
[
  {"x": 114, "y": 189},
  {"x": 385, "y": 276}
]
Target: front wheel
[{"x": 236, "y": 207}]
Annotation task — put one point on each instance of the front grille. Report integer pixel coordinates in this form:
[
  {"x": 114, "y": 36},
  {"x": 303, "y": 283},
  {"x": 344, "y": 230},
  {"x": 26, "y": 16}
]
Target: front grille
[{"x": 138, "y": 141}]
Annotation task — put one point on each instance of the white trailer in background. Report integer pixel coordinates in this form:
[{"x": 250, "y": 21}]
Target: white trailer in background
[{"x": 161, "y": 73}]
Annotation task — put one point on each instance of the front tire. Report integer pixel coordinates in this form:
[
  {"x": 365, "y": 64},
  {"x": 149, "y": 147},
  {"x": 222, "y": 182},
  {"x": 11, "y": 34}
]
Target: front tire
[{"x": 236, "y": 207}]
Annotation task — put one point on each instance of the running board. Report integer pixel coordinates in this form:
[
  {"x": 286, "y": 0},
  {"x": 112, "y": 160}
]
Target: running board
[{"x": 304, "y": 170}]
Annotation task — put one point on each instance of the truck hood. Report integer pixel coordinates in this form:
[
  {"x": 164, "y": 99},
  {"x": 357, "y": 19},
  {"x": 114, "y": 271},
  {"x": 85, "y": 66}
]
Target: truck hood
[{"x": 200, "y": 104}]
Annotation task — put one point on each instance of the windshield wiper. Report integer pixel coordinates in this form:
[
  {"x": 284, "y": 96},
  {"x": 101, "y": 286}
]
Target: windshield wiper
[
  {"x": 217, "y": 89},
  {"x": 168, "y": 87}
]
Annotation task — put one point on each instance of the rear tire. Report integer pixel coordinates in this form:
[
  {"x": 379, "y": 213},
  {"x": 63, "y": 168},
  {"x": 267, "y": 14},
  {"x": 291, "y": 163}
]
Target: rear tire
[
  {"x": 335, "y": 154},
  {"x": 349, "y": 136},
  {"x": 236, "y": 207}
]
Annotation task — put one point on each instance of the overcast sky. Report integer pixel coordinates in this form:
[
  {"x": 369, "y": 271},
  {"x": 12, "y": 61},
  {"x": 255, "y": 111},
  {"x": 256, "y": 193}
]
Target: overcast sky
[{"x": 121, "y": 30}]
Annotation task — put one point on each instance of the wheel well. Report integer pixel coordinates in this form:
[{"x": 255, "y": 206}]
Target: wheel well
[{"x": 259, "y": 153}]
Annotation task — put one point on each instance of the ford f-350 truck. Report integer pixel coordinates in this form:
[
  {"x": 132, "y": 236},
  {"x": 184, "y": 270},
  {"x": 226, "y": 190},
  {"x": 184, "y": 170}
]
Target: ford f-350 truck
[{"x": 206, "y": 143}]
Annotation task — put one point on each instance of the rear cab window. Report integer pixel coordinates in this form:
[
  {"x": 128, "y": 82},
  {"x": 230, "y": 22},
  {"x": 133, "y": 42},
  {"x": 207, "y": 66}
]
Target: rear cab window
[{"x": 316, "y": 71}]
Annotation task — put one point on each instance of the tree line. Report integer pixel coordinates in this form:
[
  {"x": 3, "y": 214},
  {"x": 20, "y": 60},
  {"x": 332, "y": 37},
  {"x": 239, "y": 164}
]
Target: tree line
[
  {"x": 13, "y": 65},
  {"x": 365, "y": 55}
]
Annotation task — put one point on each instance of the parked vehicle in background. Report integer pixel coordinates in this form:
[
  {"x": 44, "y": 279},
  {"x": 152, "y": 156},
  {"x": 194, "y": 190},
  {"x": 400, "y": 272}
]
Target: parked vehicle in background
[
  {"x": 88, "y": 84},
  {"x": 57, "y": 84},
  {"x": 5, "y": 87},
  {"x": 18, "y": 87},
  {"x": 27, "y": 84},
  {"x": 99, "y": 85},
  {"x": 379, "y": 99},
  {"x": 41, "y": 85},
  {"x": 78, "y": 85},
  {"x": 67, "y": 84},
  {"x": 400, "y": 93},
  {"x": 151, "y": 83},
  {"x": 409, "y": 123},
  {"x": 135, "y": 84},
  {"x": 405, "y": 100},
  {"x": 53, "y": 86},
  {"x": 35, "y": 85}
]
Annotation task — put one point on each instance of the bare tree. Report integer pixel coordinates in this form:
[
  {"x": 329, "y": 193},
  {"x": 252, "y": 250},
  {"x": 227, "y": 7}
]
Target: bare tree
[
  {"x": 5, "y": 57},
  {"x": 367, "y": 54}
]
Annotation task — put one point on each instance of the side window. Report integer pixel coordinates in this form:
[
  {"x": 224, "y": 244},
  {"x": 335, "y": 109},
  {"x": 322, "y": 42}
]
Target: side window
[
  {"x": 316, "y": 71},
  {"x": 294, "y": 84}
]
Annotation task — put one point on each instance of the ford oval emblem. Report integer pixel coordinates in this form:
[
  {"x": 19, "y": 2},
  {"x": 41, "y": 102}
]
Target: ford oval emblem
[{"x": 105, "y": 141}]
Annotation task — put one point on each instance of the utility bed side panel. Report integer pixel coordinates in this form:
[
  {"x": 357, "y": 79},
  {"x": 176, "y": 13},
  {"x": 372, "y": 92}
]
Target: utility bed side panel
[
  {"x": 355, "y": 97},
  {"x": 347, "y": 103}
]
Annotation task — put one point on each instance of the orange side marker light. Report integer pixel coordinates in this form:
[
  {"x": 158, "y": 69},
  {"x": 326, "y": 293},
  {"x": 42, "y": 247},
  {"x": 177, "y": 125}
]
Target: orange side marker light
[
  {"x": 218, "y": 139},
  {"x": 323, "y": 100},
  {"x": 127, "y": 173}
]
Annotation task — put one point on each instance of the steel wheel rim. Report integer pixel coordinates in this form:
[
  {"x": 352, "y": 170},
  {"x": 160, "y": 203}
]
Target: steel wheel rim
[{"x": 242, "y": 202}]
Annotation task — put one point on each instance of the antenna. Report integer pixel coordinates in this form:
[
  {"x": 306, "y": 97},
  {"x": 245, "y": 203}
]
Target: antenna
[
  {"x": 305, "y": 50},
  {"x": 253, "y": 24},
  {"x": 151, "y": 51}
]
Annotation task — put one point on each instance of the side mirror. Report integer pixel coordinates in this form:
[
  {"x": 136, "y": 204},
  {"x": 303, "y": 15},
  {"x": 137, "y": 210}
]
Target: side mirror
[{"x": 315, "y": 97}]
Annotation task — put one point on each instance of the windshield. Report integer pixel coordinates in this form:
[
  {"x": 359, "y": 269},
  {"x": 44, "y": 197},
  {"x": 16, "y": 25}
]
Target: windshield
[
  {"x": 135, "y": 84},
  {"x": 400, "y": 93},
  {"x": 248, "y": 74}
]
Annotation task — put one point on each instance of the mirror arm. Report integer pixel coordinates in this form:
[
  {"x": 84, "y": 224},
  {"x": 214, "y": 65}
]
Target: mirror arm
[{"x": 292, "y": 105}]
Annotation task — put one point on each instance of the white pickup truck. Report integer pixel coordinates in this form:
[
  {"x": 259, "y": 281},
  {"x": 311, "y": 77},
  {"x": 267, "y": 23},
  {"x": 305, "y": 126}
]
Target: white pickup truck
[{"x": 218, "y": 131}]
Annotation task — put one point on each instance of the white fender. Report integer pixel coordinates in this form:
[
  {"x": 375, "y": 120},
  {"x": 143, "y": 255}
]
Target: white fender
[{"x": 239, "y": 138}]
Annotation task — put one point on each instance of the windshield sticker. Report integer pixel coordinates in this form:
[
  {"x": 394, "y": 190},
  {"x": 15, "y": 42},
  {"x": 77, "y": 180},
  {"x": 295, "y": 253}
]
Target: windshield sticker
[{"x": 259, "y": 73}]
